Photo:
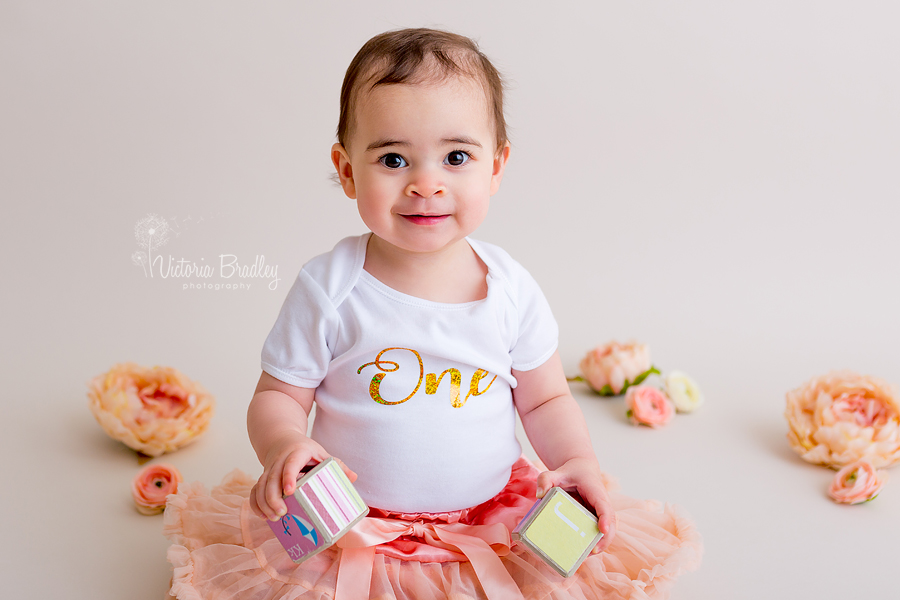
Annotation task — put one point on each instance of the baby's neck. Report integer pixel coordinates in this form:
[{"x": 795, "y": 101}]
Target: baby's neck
[{"x": 454, "y": 275}]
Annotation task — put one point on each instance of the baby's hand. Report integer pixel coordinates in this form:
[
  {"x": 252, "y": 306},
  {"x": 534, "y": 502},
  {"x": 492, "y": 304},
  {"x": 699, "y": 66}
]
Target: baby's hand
[
  {"x": 583, "y": 475},
  {"x": 283, "y": 463}
]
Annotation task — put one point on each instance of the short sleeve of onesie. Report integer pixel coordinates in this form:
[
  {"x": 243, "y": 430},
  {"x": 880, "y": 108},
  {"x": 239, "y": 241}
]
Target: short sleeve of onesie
[
  {"x": 538, "y": 331},
  {"x": 534, "y": 334},
  {"x": 302, "y": 342},
  {"x": 297, "y": 348}
]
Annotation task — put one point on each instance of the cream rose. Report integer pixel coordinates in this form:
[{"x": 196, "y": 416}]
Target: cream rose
[
  {"x": 683, "y": 391},
  {"x": 844, "y": 417},
  {"x": 152, "y": 410},
  {"x": 648, "y": 406},
  {"x": 151, "y": 487},
  {"x": 612, "y": 368},
  {"x": 856, "y": 483}
]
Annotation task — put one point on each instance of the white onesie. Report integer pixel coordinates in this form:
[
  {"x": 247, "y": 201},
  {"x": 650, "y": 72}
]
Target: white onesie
[{"x": 413, "y": 395}]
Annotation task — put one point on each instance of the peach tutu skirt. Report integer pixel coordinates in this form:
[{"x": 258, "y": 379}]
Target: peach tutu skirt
[{"x": 222, "y": 551}]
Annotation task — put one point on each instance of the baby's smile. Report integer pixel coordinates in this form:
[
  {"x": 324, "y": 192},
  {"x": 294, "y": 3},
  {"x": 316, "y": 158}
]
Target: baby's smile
[{"x": 425, "y": 218}]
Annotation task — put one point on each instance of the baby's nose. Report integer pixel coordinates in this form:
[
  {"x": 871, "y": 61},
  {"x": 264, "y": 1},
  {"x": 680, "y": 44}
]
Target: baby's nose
[{"x": 425, "y": 185}]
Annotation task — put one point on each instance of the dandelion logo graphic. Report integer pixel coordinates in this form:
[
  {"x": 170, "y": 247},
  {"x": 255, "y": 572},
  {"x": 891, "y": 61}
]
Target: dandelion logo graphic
[
  {"x": 152, "y": 232},
  {"x": 138, "y": 258}
]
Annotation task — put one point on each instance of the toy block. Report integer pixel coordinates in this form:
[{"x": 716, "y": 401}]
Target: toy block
[
  {"x": 322, "y": 509},
  {"x": 559, "y": 530}
]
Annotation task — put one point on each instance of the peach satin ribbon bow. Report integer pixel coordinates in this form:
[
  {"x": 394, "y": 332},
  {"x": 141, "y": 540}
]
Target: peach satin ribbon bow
[{"x": 481, "y": 544}]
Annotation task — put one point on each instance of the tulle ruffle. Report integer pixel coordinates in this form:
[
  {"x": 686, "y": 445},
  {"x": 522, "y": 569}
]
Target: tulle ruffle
[{"x": 222, "y": 551}]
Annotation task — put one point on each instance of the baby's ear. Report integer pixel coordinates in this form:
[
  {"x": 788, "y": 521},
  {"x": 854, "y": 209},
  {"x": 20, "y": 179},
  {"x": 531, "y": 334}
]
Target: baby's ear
[
  {"x": 341, "y": 160},
  {"x": 500, "y": 160}
]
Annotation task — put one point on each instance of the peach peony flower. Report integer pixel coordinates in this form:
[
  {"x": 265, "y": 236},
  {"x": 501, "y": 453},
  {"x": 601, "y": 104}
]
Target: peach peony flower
[
  {"x": 648, "y": 406},
  {"x": 151, "y": 486},
  {"x": 683, "y": 391},
  {"x": 610, "y": 369},
  {"x": 856, "y": 483},
  {"x": 152, "y": 410},
  {"x": 844, "y": 417}
]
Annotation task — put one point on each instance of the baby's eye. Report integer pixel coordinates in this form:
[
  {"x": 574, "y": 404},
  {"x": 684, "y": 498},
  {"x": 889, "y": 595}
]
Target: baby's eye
[
  {"x": 393, "y": 160},
  {"x": 456, "y": 158}
]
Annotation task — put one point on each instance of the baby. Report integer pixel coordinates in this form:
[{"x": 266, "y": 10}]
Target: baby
[{"x": 418, "y": 344}]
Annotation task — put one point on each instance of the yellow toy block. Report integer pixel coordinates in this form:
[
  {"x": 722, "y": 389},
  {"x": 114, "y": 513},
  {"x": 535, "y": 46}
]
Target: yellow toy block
[{"x": 559, "y": 530}]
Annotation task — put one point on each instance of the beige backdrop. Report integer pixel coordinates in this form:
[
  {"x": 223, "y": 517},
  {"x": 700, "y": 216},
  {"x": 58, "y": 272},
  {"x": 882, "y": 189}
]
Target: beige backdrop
[{"x": 715, "y": 179}]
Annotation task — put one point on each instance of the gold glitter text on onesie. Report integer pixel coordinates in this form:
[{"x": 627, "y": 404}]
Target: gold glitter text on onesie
[
  {"x": 473, "y": 385},
  {"x": 432, "y": 381},
  {"x": 375, "y": 384}
]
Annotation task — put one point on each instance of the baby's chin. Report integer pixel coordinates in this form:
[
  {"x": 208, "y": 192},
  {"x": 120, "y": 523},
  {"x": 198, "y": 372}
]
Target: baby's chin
[{"x": 426, "y": 242}]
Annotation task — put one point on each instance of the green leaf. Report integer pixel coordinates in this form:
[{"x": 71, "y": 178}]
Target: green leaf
[
  {"x": 606, "y": 390},
  {"x": 640, "y": 378}
]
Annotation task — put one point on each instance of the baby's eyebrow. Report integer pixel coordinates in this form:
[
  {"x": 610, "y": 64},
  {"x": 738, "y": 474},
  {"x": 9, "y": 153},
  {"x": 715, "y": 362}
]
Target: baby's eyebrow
[
  {"x": 385, "y": 142},
  {"x": 461, "y": 140}
]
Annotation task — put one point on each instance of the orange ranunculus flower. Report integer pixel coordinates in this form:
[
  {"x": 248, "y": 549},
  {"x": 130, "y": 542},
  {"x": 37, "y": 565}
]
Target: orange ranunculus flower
[
  {"x": 152, "y": 485},
  {"x": 152, "y": 410},
  {"x": 648, "y": 406},
  {"x": 856, "y": 483},
  {"x": 844, "y": 417}
]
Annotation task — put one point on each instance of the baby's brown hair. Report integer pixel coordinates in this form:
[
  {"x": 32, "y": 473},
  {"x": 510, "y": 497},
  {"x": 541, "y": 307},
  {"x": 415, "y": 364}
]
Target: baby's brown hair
[{"x": 403, "y": 56}]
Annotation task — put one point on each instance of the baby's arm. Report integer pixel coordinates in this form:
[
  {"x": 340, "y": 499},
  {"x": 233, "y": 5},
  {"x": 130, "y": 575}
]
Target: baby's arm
[
  {"x": 557, "y": 430},
  {"x": 277, "y": 422}
]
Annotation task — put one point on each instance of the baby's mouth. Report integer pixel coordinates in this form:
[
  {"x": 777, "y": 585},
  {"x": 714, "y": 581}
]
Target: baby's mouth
[{"x": 425, "y": 219}]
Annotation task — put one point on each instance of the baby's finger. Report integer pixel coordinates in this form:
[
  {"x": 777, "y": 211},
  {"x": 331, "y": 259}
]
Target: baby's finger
[
  {"x": 351, "y": 475},
  {"x": 254, "y": 505},
  {"x": 545, "y": 481},
  {"x": 598, "y": 500},
  {"x": 608, "y": 526},
  {"x": 606, "y": 519},
  {"x": 258, "y": 494},
  {"x": 291, "y": 471},
  {"x": 269, "y": 495},
  {"x": 259, "y": 497}
]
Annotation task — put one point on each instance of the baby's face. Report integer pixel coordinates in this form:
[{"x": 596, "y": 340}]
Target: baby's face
[{"x": 421, "y": 163}]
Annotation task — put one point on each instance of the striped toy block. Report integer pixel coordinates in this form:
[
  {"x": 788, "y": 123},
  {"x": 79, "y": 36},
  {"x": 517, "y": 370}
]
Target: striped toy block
[{"x": 323, "y": 508}]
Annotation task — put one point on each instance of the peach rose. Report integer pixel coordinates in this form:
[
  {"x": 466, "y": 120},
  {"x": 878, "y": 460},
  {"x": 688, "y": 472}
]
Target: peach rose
[
  {"x": 610, "y": 369},
  {"x": 856, "y": 483},
  {"x": 683, "y": 391},
  {"x": 844, "y": 417},
  {"x": 151, "y": 487},
  {"x": 648, "y": 406},
  {"x": 152, "y": 410}
]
